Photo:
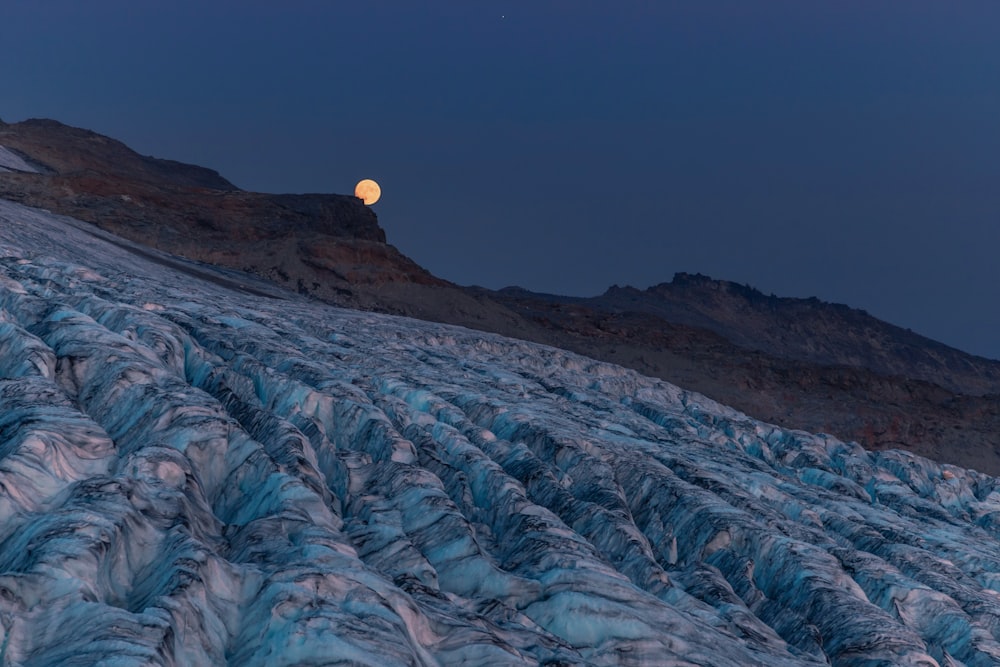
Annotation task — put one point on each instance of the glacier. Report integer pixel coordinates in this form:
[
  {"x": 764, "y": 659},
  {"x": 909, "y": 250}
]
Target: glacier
[{"x": 196, "y": 469}]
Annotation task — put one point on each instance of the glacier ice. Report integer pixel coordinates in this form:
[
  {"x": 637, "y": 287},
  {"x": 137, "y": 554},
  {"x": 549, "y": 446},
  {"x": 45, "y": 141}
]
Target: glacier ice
[
  {"x": 11, "y": 161},
  {"x": 192, "y": 473}
]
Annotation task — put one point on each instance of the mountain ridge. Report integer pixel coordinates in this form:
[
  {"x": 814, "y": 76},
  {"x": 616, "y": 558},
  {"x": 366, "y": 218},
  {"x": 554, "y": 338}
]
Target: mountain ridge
[
  {"x": 796, "y": 362},
  {"x": 798, "y": 328},
  {"x": 332, "y": 241}
]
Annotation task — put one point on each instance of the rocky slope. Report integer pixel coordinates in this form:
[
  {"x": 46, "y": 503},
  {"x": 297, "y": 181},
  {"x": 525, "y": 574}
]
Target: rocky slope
[
  {"x": 800, "y": 363},
  {"x": 328, "y": 245},
  {"x": 197, "y": 474},
  {"x": 795, "y": 362},
  {"x": 806, "y": 330}
]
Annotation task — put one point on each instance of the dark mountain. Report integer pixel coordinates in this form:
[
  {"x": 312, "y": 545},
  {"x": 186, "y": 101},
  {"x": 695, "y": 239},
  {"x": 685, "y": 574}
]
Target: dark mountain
[
  {"x": 800, "y": 363},
  {"x": 806, "y": 330}
]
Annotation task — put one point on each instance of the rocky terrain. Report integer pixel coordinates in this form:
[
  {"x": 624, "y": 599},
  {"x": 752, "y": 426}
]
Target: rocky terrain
[
  {"x": 201, "y": 469},
  {"x": 795, "y": 362},
  {"x": 325, "y": 244}
]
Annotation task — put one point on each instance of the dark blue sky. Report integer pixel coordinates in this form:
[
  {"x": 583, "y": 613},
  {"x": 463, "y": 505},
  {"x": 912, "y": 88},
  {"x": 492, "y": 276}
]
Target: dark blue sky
[{"x": 845, "y": 150}]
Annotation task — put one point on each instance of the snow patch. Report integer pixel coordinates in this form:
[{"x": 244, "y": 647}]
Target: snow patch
[{"x": 11, "y": 161}]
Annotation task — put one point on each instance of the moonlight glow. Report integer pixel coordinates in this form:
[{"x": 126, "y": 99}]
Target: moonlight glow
[{"x": 367, "y": 190}]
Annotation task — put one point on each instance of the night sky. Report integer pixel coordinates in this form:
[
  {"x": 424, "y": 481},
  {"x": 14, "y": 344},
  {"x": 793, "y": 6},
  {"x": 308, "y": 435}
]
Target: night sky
[{"x": 845, "y": 150}]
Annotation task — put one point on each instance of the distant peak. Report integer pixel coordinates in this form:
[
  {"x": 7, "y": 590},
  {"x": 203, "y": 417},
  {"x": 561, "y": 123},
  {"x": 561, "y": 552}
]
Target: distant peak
[
  {"x": 619, "y": 289},
  {"x": 699, "y": 280},
  {"x": 50, "y": 123},
  {"x": 685, "y": 282},
  {"x": 684, "y": 278},
  {"x": 69, "y": 150},
  {"x": 41, "y": 121}
]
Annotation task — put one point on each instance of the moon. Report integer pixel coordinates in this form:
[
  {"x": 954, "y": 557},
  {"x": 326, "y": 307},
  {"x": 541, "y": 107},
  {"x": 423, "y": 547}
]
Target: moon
[{"x": 368, "y": 191}]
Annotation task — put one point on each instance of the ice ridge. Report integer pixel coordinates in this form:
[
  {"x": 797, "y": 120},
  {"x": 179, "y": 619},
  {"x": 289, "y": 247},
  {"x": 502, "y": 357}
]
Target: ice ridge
[{"x": 193, "y": 475}]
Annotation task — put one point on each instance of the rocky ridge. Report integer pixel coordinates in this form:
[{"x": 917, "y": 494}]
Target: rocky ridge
[
  {"x": 324, "y": 244},
  {"x": 796, "y": 362},
  {"x": 802, "y": 363}
]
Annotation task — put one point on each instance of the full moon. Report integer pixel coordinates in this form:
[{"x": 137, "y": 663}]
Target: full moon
[{"x": 367, "y": 190}]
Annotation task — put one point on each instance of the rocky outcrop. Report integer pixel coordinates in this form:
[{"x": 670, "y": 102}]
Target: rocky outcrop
[
  {"x": 327, "y": 245},
  {"x": 806, "y": 330}
]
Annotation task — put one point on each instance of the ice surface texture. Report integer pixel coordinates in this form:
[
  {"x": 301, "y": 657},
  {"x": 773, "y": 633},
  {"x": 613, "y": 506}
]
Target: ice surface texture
[{"x": 194, "y": 475}]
